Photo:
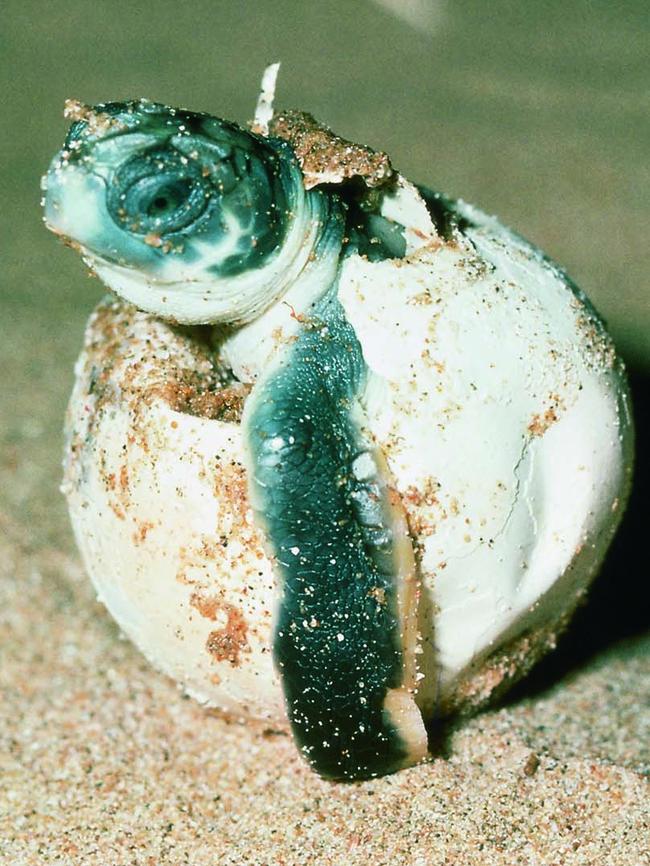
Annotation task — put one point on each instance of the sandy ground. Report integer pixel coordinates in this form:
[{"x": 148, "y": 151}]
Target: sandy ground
[
  {"x": 102, "y": 761},
  {"x": 534, "y": 111}
]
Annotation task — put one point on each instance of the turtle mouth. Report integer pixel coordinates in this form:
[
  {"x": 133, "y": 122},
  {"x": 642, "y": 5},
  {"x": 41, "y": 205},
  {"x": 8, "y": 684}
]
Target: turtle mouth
[
  {"x": 66, "y": 240},
  {"x": 119, "y": 265}
]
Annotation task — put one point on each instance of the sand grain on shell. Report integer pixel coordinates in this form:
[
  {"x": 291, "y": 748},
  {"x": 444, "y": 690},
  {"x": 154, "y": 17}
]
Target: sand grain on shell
[{"x": 102, "y": 761}]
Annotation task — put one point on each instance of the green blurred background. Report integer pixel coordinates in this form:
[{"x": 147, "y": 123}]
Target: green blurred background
[{"x": 536, "y": 111}]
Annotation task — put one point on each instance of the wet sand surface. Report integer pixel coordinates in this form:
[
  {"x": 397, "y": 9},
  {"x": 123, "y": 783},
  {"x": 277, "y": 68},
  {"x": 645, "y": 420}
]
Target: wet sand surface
[{"x": 535, "y": 113}]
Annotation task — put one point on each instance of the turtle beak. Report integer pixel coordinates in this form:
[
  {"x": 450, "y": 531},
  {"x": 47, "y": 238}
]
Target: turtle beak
[
  {"x": 74, "y": 185},
  {"x": 70, "y": 201},
  {"x": 52, "y": 202}
]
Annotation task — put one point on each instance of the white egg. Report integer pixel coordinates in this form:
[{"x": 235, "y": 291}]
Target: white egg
[{"x": 498, "y": 402}]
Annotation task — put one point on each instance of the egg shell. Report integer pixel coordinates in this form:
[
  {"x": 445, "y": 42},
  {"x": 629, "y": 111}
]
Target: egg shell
[{"x": 502, "y": 411}]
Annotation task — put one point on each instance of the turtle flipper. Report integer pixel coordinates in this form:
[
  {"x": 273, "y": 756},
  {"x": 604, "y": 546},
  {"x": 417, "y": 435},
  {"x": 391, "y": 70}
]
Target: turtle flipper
[{"x": 345, "y": 634}]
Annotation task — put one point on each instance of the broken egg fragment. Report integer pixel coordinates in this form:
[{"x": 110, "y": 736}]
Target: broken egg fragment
[{"x": 373, "y": 491}]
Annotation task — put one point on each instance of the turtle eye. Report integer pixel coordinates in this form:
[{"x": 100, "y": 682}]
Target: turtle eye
[
  {"x": 158, "y": 192},
  {"x": 169, "y": 198}
]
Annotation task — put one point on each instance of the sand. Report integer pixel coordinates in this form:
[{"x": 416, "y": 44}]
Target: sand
[{"x": 103, "y": 761}]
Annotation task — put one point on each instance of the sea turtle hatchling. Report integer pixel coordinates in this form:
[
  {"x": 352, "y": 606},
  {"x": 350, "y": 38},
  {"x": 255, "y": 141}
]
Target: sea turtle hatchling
[{"x": 343, "y": 453}]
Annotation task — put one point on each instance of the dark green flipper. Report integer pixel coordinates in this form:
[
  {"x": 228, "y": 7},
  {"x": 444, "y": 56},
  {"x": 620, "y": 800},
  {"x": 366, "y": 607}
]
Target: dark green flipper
[{"x": 341, "y": 629}]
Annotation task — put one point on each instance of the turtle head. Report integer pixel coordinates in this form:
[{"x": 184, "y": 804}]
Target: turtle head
[{"x": 189, "y": 217}]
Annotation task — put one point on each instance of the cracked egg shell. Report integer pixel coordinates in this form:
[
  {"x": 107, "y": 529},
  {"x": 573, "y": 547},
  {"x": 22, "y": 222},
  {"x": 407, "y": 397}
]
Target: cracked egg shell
[
  {"x": 157, "y": 491},
  {"x": 507, "y": 538}
]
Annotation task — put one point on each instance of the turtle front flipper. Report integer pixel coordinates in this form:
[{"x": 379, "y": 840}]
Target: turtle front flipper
[{"x": 346, "y": 630}]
